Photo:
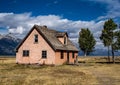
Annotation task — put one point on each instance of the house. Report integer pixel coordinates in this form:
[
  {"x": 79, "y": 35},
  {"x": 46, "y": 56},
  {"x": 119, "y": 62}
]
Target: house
[{"x": 46, "y": 46}]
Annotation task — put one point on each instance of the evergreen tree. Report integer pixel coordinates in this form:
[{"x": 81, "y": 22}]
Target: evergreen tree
[
  {"x": 118, "y": 40},
  {"x": 108, "y": 36},
  {"x": 106, "y": 41},
  {"x": 86, "y": 41},
  {"x": 117, "y": 43}
]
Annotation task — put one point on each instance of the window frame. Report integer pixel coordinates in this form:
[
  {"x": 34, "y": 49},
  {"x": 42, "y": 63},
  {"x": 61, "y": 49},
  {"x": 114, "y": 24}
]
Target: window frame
[
  {"x": 36, "y": 38},
  {"x": 26, "y": 53},
  {"x": 65, "y": 40},
  {"x": 44, "y": 54}
]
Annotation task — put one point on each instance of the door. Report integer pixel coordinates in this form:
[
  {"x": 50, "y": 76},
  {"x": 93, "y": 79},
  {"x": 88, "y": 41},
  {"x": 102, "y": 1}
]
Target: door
[{"x": 67, "y": 57}]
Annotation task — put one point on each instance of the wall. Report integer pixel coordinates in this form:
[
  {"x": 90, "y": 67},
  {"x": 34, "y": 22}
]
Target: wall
[
  {"x": 59, "y": 61},
  {"x": 35, "y": 50}
]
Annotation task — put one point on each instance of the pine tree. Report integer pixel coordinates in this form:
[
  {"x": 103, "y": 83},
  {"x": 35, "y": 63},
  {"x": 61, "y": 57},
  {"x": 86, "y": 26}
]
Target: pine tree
[
  {"x": 86, "y": 41},
  {"x": 108, "y": 36},
  {"x": 117, "y": 43},
  {"x": 106, "y": 41},
  {"x": 118, "y": 40}
]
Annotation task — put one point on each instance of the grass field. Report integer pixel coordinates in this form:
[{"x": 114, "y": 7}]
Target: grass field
[{"x": 89, "y": 71}]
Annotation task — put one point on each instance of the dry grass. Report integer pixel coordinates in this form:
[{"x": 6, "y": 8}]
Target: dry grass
[
  {"x": 97, "y": 59},
  {"x": 87, "y": 73}
]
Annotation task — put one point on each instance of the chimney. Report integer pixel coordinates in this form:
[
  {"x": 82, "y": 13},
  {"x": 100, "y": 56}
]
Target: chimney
[{"x": 44, "y": 26}]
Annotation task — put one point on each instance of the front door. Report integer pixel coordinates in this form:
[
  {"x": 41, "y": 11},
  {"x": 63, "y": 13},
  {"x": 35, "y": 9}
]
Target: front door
[{"x": 67, "y": 57}]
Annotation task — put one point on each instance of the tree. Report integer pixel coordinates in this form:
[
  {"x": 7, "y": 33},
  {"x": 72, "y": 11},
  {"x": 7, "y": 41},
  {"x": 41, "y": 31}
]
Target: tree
[
  {"x": 118, "y": 39},
  {"x": 108, "y": 36},
  {"x": 106, "y": 41},
  {"x": 117, "y": 43},
  {"x": 86, "y": 41}
]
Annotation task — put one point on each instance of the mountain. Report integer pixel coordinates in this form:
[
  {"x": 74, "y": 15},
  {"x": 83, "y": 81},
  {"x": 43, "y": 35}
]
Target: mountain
[
  {"x": 100, "y": 52},
  {"x": 8, "y": 43}
]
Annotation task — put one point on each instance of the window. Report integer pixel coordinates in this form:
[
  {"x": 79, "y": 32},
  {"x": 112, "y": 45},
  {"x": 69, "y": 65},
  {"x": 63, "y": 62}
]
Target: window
[
  {"x": 68, "y": 54},
  {"x": 72, "y": 54},
  {"x": 65, "y": 40},
  {"x": 36, "y": 38},
  {"x": 25, "y": 53},
  {"x": 62, "y": 55},
  {"x": 44, "y": 54}
]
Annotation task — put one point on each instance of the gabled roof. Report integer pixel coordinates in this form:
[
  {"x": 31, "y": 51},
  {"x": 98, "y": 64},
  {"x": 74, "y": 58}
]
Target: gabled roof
[
  {"x": 61, "y": 34},
  {"x": 51, "y": 38}
]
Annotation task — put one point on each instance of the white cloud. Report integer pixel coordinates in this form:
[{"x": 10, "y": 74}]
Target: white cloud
[
  {"x": 112, "y": 6},
  {"x": 18, "y": 30},
  {"x": 20, "y": 24}
]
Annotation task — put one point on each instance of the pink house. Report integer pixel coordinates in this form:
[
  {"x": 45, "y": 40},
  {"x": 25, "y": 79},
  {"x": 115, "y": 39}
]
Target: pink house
[{"x": 46, "y": 46}]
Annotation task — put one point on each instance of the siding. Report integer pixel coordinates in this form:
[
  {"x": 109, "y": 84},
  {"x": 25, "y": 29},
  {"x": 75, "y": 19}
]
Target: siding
[
  {"x": 59, "y": 61},
  {"x": 35, "y": 51}
]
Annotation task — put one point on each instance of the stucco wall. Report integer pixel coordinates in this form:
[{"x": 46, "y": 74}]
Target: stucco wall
[
  {"x": 35, "y": 51},
  {"x": 59, "y": 61}
]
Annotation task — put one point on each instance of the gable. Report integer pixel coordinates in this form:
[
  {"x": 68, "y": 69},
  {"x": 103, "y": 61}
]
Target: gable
[
  {"x": 63, "y": 39},
  {"x": 29, "y": 33},
  {"x": 51, "y": 37}
]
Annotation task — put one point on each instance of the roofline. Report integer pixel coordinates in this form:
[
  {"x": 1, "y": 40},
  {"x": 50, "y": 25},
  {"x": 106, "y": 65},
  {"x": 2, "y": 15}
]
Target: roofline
[
  {"x": 37, "y": 28},
  {"x": 63, "y": 35},
  {"x": 45, "y": 38},
  {"x": 67, "y": 50},
  {"x": 24, "y": 39},
  {"x": 66, "y": 34},
  {"x": 34, "y": 27}
]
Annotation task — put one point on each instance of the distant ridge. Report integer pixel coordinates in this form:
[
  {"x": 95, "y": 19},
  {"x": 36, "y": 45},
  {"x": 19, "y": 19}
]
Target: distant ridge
[
  {"x": 8, "y": 43},
  {"x": 100, "y": 52}
]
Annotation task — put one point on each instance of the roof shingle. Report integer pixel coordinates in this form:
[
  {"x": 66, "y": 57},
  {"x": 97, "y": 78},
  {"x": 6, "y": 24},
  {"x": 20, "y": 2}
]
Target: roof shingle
[{"x": 51, "y": 36}]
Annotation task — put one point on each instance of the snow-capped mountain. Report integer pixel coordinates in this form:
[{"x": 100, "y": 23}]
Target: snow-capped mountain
[{"x": 8, "y": 43}]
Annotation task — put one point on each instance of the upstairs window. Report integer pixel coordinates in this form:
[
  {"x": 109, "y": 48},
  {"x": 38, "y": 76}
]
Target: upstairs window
[
  {"x": 36, "y": 38},
  {"x": 25, "y": 53},
  {"x": 62, "y": 55},
  {"x": 65, "y": 40},
  {"x": 44, "y": 54}
]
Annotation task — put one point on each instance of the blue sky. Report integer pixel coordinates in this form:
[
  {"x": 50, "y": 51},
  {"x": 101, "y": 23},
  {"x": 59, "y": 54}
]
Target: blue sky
[
  {"x": 18, "y": 16},
  {"x": 70, "y": 9}
]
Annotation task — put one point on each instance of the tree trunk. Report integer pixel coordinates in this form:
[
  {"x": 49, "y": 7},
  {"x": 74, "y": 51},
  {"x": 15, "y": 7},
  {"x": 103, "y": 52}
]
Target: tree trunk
[
  {"x": 108, "y": 54},
  {"x": 85, "y": 53},
  {"x": 113, "y": 57}
]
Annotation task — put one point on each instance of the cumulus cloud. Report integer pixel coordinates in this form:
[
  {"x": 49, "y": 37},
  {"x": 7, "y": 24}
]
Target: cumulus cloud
[
  {"x": 112, "y": 6},
  {"x": 19, "y": 30},
  {"x": 20, "y": 24},
  {"x": 15, "y": 23}
]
